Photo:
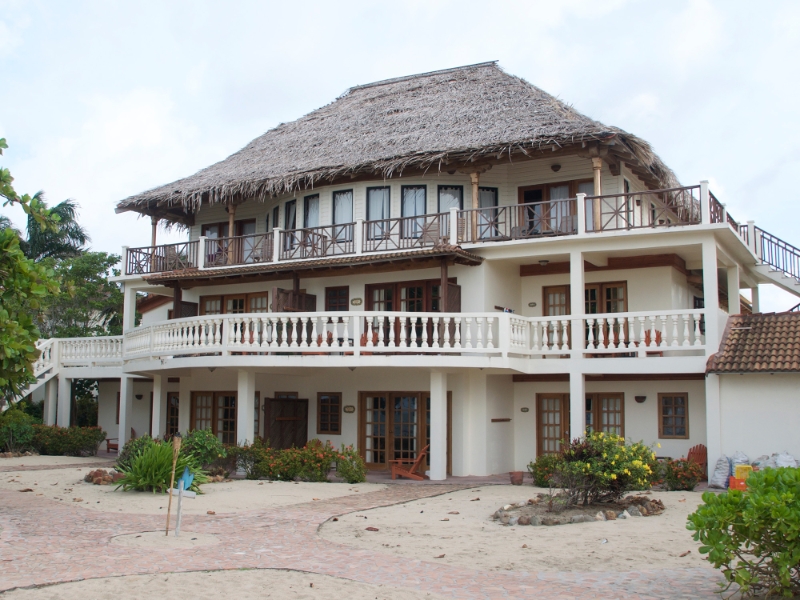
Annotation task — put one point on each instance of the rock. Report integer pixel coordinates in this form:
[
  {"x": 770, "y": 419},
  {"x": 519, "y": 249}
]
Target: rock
[
  {"x": 611, "y": 515},
  {"x": 643, "y": 511},
  {"x": 97, "y": 480},
  {"x": 524, "y": 520},
  {"x": 534, "y": 501},
  {"x": 372, "y": 529},
  {"x": 498, "y": 514},
  {"x": 508, "y": 507},
  {"x": 536, "y": 521},
  {"x": 634, "y": 511},
  {"x": 210, "y": 512},
  {"x": 550, "y": 521},
  {"x": 454, "y": 512},
  {"x": 505, "y": 519},
  {"x": 513, "y": 520},
  {"x": 600, "y": 516},
  {"x": 580, "y": 519},
  {"x": 624, "y": 515}
]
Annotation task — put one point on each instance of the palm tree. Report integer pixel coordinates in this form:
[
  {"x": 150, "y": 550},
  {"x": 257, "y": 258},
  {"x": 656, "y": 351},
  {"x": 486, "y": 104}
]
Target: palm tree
[{"x": 68, "y": 240}]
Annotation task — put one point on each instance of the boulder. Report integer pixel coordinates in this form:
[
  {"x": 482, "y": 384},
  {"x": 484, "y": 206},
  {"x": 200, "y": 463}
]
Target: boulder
[
  {"x": 634, "y": 511},
  {"x": 524, "y": 520},
  {"x": 513, "y": 520},
  {"x": 643, "y": 511},
  {"x": 624, "y": 515},
  {"x": 536, "y": 521},
  {"x": 600, "y": 516},
  {"x": 580, "y": 519},
  {"x": 550, "y": 521},
  {"x": 611, "y": 515}
]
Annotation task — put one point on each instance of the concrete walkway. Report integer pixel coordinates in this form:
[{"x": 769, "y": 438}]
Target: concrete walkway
[{"x": 44, "y": 542}]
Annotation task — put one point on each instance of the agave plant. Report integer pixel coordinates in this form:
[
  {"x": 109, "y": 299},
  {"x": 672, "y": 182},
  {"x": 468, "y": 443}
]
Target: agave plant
[{"x": 151, "y": 470}]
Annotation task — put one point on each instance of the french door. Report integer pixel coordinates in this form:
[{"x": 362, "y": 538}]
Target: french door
[
  {"x": 215, "y": 411},
  {"x": 552, "y": 422},
  {"x": 395, "y": 425}
]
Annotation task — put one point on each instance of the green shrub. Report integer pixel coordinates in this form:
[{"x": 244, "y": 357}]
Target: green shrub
[
  {"x": 753, "y": 536},
  {"x": 601, "y": 468},
  {"x": 151, "y": 470},
  {"x": 203, "y": 446},
  {"x": 278, "y": 465},
  {"x": 682, "y": 474},
  {"x": 16, "y": 431},
  {"x": 542, "y": 469},
  {"x": 67, "y": 441},
  {"x": 249, "y": 457},
  {"x": 315, "y": 460},
  {"x": 350, "y": 466},
  {"x": 132, "y": 449}
]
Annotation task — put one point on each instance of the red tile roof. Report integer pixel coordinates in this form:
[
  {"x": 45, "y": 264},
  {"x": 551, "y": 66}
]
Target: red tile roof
[{"x": 759, "y": 343}]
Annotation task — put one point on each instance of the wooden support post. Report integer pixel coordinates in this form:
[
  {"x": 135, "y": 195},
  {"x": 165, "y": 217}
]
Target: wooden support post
[
  {"x": 295, "y": 282},
  {"x": 443, "y": 288},
  {"x": 231, "y": 232},
  {"x": 177, "y": 302},
  {"x": 597, "y": 169},
  {"x": 476, "y": 180},
  {"x": 154, "y": 230}
]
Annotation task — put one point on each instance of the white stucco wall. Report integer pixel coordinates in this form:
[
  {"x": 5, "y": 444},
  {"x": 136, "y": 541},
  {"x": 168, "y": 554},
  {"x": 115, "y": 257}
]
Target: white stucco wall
[{"x": 760, "y": 414}]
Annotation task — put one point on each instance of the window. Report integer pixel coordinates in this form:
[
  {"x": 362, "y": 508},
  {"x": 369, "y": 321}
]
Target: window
[
  {"x": 276, "y": 212},
  {"x": 487, "y": 217},
  {"x": 378, "y": 209},
  {"x": 215, "y": 411},
  {"x": 329, "y": 413},
  {"x": 606, "y": 412},
  {"x": 311, "y": 211},
  {"x": 290, "y": 215},
  {"x": 337, "y": 298},
  {"x": 556, "y": 300},
  {"x": 451, "y": 196},
  {"x": 266, "y": 224},
  {"x": 214, "y": 231},
  {"x": 413, "y": 205},
  {"x": 343, "y": 215},
  {"x": 257, "y": 303},
  {"x": 117, "y": 408},
  {"x": 234, "y": 304},
  {"x": 544, "y": 214},
  {"x": 211, "y": 305},
  {"x": 673, "y": 416}
]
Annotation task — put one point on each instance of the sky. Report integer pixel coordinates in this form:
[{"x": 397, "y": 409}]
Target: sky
[{"x": 102, "y": 100}]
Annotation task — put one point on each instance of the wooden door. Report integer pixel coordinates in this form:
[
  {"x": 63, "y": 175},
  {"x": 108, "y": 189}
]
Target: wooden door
[
  {"x": 552, "y": 422},
  {"x": 287, "y": 420},
  {"x": 173, "y": 400}
]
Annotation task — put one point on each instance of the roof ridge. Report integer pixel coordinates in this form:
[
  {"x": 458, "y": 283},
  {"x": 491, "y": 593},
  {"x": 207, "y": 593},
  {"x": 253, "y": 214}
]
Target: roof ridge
[{"x": 426, "y": 74}]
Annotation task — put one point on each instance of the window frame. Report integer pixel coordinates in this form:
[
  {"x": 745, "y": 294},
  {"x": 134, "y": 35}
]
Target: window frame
[
  {"x": 320, "y": 395},
  {"x": 306, "y": 203},
  {"x": 597, "y": 410},
  {"x": 661, "y": 415},
  {"x": 337, "y": 288},
  {"x": 215, "y": 410},
  {"x": 441, "y": 187},
  {"x": 286, "y": 215}
]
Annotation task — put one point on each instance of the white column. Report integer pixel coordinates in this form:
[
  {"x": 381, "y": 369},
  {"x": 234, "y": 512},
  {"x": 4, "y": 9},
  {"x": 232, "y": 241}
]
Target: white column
[
  {"x": 184, "y": 404},
  {"x": 358, "y": 236},
  {"x": 201, "y": 252},
  {"x": 245, "y": 408},
  {"x": 711, "y": 295},
  {"x": 751, "y": 236},
  {"x": 713, "y": 421},
  {"x": 129, "y": 307},
  {"x": 438, "y": 425},
  {"x": 125, "y": 409},
  {"x": 755, "y": 300},
  {"x": 50, "y": 401},
  {"x": 705, "y": 204},
  {"x": 734, "y": 306},
  {"x": 477, "y": 439},
  {"x": 64, "y": 401},
  {"x": 454, "y": 225},
  {"x": 577, "y": 405},
  {"x": 580, "y": 213},
  {"x": 577, "y": 301},
  {"x": 158, "y": 426},
  {"x": 276, "y": 241}
]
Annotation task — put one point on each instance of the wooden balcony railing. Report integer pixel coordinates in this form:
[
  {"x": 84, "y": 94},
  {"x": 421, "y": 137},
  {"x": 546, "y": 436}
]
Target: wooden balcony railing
[
  {"x": 636, "y": 210},
  {"x": 517, "y": 222},
  {"x": 405, "y": 233},
  {"x": 242, "y": 250},
  {"x": 318, "y": 242},
  {"x": 157, "y": 259}
]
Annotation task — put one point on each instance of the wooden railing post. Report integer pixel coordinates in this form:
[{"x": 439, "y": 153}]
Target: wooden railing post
[
  {"x": 276, "y": 240},
  {"x": 454, "y": 225},
  {"x": 358, "y": 237},
  {"x": 705, "y": 203},
  {"x": 201, "y": 252},
  {"x": 580, "y": 213}
]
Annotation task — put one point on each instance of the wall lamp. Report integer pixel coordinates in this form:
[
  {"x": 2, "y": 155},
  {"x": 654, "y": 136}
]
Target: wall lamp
[
  {"x": 139, "y": 396},
  {"x": 640, "y": 399}
]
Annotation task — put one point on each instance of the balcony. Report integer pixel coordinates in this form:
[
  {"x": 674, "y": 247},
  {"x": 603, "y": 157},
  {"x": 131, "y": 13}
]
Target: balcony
[{"x": 623, "y": 335}]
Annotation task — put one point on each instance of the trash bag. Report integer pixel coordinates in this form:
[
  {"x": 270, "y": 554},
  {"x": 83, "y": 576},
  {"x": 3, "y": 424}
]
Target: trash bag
[
  {"x": 785, "y": 459},
  {"x": 760, "y": 462},
  {"x": 772, "y": 462},
  {"x": 722, "y": 470},
  {"x": 739, "y": 458}
]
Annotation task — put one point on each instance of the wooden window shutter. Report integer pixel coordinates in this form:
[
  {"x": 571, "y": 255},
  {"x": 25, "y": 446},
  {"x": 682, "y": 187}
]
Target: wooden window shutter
[{"x": 453, "y": 298}]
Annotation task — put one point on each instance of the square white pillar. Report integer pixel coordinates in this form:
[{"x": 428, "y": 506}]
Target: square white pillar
[
  {"x": 128, "y": 307},
  {"x": 711, "y": 295},
  {"x": 713, "y": 421},
  {"x": 185, "y": 404},
  {"x": 577, "y": 302},
  {"x": 245, "y": 407},
  {"x": 577, "y": 405},
  {"x": 64, "y": 401},
  {"x": 438, "y": 425},
  {"x": 158, "y": 426},
  {"x": 125, "y": 409},
  {"x": 734, "y": 304},
  {"x": 50, "y": 401},
  {"x": 755, "y": 300},
  {"x": 476, "y": 442}
]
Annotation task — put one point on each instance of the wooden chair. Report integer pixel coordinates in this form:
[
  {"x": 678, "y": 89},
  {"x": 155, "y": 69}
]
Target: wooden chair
[
  {"x": 400, "y": 469},
  {"x": 429, "y": 236},
  {"x": 699, "y": 455},
  {"x": 112, "y": 445}
]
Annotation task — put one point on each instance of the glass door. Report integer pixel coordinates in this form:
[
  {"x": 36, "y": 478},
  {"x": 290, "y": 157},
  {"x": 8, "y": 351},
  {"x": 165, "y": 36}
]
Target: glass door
[
  {"x": 374, "y": 429},
  {"x": 552, "y": 420}
]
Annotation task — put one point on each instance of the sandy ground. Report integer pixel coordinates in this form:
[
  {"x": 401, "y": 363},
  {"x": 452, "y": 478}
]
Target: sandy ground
[
  {"x": 219, "y": 584},
  {"x": 35, "y": 461},
  {"x": 67, "y": 485},
  {"x": 426, "y": 529}
]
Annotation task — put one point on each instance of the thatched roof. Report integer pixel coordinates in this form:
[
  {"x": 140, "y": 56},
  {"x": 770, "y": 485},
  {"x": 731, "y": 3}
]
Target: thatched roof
[{"x": 438, "y": 120}]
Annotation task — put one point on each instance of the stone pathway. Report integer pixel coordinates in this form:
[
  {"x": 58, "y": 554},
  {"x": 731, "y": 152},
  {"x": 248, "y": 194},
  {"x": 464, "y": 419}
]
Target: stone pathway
[{"x": 43, "y": 542}]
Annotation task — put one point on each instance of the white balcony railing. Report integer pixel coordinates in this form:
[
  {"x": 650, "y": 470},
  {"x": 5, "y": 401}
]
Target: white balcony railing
[
  {"x": 89, "y": 351},
  {"x": 651, "y": 333}
]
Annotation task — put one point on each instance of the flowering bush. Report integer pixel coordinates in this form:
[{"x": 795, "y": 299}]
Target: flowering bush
[
  {"x": 350, "y": 466},
  {"x": 203, "y": 446},
  {"x": 542, "y": 469},
  {"x": 602, "y": 467},
  {"x": 682, "y": 474},
  {"x": 67, "y": 441},
  {"x": 754, "y": 536}
]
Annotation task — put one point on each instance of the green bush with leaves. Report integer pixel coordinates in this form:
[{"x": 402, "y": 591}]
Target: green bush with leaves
[
  {"x": 151, "y": 470},
  {"x": 753, "y": 536},
  {"x": 16, "y": 431},
  {"x": 682, "y": 474},
  {"x": 67, "y": 441},
  {"x": 131, "y": 450},
  {"x": 602, "y": 467},
  {"x": 542, "y": 469},
  {"x": 350, "y": 466},
  {"x": 250, "y": 456},
  {"x": 203, "y": 446}
]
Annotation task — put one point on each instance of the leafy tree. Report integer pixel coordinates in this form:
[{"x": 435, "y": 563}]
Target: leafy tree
[
  {"x": 24, "y": 286},
  {"x": 67, "y": 240}
]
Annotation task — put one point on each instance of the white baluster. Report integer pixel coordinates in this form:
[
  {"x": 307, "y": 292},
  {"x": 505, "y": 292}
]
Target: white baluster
[
  {"x": 565, "y": 335},
  {"x": 392, "y": 323},
  {"x": 295, "y": 331},
  {"x": 370, "y": 344},
  {"x": 479, "y": 332},
  {"x": 535, "y": 341},
  {"x": 425, "y": 332},
  {"x": 457, "y": 332},
  {"x": 686, "y": 333},
  {"x": 284, "y": 343},
  {"x": 652, "y": 331},
  {"x": 346, "y": 332},
  {"x": 489, "y": 334},
  {"x": 590, "y": 341},
  {"x": 303, "y": 332},
  {"x": 468, "y": 331},
  {"x": 435, "y": 332},
  {"x": 412, "y": 321},
  {"x": 697, "y": 333},
  {"x": 663, "y": 331},
  {"x": 674, "y": 330},
  {"x": 403, "y": 340}
]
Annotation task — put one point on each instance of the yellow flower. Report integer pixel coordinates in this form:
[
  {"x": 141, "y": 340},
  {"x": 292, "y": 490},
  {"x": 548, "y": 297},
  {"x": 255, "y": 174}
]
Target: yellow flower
[
  {"x": 653, "y": 455},
  {"x": 613, "y": 476},
  {"x": 659, "y": 445},
  {"x": 613, "y": 462}
]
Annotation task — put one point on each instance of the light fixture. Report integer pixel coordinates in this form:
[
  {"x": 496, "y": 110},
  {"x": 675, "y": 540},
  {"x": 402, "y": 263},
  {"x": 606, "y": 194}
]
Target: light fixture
[
  {"x": 544, "y": 262},
  {"x": 352, "y": 368},
  {"x": 139, "y": 396},
  {"x": 211, "y": 369},
  {"x": 556, "y": 168},
  {"x": 640, "y": 399}
]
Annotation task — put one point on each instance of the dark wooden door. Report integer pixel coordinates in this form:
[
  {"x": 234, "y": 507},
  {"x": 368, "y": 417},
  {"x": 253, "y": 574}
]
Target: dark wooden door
[
  {"x": 287, "y": 419},
  {"x": 552, "y": 422}
]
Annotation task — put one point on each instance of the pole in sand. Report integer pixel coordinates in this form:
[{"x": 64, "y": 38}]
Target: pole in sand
[{"x": 176, "y": 448}]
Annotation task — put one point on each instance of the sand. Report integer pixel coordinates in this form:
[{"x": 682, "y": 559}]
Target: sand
[
  {"x": 255, "y": 584},
  {"x": 36, "y": 461},
  {"x": 425, "y": 529},
  {"x": 67, "y": 485}
]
